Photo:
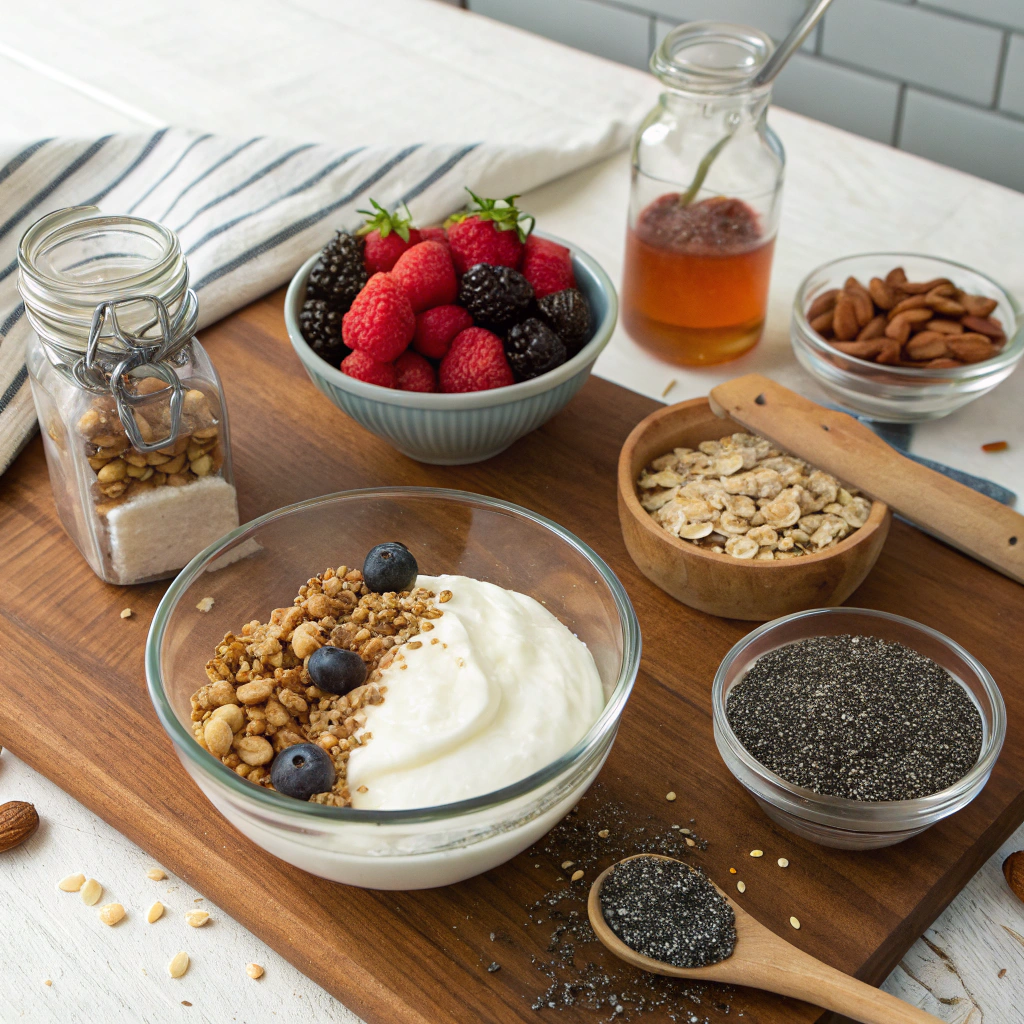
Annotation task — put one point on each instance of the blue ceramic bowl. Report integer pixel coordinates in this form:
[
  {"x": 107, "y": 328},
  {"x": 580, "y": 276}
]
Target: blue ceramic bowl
[{"x": 451, "y": 430}]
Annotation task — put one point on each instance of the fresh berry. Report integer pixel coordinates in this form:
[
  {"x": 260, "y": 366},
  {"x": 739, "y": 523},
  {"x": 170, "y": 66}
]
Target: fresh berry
[
  {"x": 547, "y": 266},
  {"x": 302, "y": 770},
  {"x": 380, "y": 322},
  {"x": 434, "y": 234},
  {"x": 475, "y": 362},
  {"x": 568, "y": 315},
  {"x": 387, "y": 236},
  {"x": 339, "y": 274},
  {"x": 426, "y": 273},
  {"x": 320, "y": 324},
  {"x": 488, "y": 231},
  {"x": 364, "y": 368},
  {"x": 436, "y": 327},
  {"x": 390, "y": 568},
  {"x": 533, "y": 348},
  {"x": 495, "y": 296},
  {"x": 415, "y": 373},
  {"x": 336, "y": 670}
]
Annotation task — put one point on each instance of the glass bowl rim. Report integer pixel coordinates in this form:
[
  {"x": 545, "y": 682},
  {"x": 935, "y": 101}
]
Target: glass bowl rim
[
  {"x": 185, "y": 742},
  {"x": 842, "y": 805},
  {"x": 1010, "y": 355}
]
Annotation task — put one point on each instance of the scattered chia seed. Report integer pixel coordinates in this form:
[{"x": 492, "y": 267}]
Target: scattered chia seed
[
  {"x": 668, "y": 911},
  {"x": 856, "y": 717},
  {"x": 495, "y": 966}
]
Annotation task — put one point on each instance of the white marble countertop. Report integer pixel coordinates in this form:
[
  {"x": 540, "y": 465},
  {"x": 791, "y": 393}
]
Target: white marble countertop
[{"x": 192, "y": 63}]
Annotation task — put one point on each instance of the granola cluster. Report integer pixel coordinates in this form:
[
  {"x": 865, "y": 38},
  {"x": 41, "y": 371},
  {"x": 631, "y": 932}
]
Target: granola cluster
[
  {"x": 743, "y": 497},
  {"x": 260, "y": 699}
]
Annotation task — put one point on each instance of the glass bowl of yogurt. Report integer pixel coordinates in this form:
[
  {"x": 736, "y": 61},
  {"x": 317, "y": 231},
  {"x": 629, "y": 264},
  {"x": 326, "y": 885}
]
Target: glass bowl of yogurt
[{"x": 482, "y": 742}]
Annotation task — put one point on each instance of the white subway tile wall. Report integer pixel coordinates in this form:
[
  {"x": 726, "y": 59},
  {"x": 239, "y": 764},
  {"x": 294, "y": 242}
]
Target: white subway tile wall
[{"x": 941, "y": 78}]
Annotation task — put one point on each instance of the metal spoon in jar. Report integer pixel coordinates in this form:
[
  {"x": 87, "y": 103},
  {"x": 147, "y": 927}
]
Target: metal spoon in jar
[
  {"x": 760, "y": 959},
  {"x": 771, "y": 67}
]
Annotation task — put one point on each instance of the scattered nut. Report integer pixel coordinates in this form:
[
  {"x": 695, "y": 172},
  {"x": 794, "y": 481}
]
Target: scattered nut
[
  {"x": 783, "y": 863},
  {"x": 741, "y": 886},
  {"x": 670, "y": 797},
  {"x": 91, "y": 892},
  {"x": 178, "y": 965},
  {"x": 757, "y": 853},
  {"x": 205, "y": 604},
  {"x": 577, "y": 875},
  {"x": 111, "y": 913},
  {"x": 690, "y": 842},
  {"x": 604, "y": 833},
  {"x": 156, "y": 874},
  {"x": 795, "y": 922},
  {"x": 254, "y": 971},
  {"x": 155, "y": 912},
  {"x": 18, "y": 820},
  {"x": 196, "y": 918},
  {"x": 566, "y": 864},
  {"x": 72, "y": 883},
  {"x": 126, "y": 613},
  {"x": 1013, "y": 871}
]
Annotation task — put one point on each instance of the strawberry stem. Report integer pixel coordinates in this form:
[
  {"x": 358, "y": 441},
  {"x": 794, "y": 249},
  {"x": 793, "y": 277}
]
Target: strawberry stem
[{"x": 385, "y": 221}]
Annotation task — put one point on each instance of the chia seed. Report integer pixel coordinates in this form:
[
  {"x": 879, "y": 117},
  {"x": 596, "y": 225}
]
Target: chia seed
[
  {"x": 856, "y": 717},
  {"x": 668, "y": 911}
]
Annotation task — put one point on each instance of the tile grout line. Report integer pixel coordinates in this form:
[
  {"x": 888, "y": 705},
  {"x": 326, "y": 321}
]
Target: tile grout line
[
  {"x": 99, "y": 95},
  {"x": 1004, "y": 53}
]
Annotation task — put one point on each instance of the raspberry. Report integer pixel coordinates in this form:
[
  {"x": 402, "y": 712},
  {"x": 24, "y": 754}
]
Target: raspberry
[
  {"x": 426, "y": 273},
  {"x": 387, "y": 236},
  {"x": 415, "y": 373},
  {"x": 475, "y": 362},
  {"x": 362, "y": 367},
  {"x": 436, "y": 327},
  {"x": 381, "y": 322},
  {"x": 489, "y": 231},
  {"x": 547, "y": 266}
]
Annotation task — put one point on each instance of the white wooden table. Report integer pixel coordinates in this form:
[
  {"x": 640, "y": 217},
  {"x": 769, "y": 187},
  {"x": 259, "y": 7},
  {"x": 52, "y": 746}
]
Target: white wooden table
[{"x": 298, "y": 68}]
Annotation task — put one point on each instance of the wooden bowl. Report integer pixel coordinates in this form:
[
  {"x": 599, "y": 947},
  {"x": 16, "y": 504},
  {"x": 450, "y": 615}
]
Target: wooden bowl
[{"x": 733, "y": 588}]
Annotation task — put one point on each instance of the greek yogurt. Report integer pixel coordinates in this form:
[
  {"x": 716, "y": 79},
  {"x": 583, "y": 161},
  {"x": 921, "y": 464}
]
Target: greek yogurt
[{"x": 499, "y": 689}]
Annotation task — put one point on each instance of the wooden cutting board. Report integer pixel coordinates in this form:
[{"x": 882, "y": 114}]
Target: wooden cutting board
[{"x": 73, "y": 704}]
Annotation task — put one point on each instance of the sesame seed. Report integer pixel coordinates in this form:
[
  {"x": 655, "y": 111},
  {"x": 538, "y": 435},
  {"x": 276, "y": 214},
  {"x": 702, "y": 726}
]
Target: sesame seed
[
  {"x": 741, "y": 886},
  {"x": 604, "y": 833},
  {"x": 577, "y": 875},
  {"x": 757, "y": 853}
]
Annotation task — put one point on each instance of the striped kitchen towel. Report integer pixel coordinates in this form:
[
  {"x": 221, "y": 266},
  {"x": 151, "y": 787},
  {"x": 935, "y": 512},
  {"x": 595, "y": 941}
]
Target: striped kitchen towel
[{"x": 248, "y": 211}]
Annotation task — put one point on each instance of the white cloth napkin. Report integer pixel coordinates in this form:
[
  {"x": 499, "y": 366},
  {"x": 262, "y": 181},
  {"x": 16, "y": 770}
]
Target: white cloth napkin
[{"x": 248, "y": 211}]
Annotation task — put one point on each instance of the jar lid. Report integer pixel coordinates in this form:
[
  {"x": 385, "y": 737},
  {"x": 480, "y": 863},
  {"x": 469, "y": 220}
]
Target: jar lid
[{"x": 713, "y": 57}]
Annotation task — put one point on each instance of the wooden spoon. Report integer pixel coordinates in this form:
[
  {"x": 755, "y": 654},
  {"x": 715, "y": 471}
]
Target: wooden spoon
[
  {"x": 838, "y": 444},
  {"x": 763, "y": 960}
]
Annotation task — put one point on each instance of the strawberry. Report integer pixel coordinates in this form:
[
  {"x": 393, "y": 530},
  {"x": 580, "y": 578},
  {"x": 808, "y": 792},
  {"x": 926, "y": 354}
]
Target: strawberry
[
  {"x": 436, "y": 327},
  {"x": 381, "y": 322},
  {"x": 364, "y": 368},
  {"x": 386, "y": 237},
  {"x": 547, "y": 266},
  {"x": 426, "y": 273},
  {"x": 415, "y": 373},
  {"x": 434, "y": 234},
  {"x": 475, "y": 362},
  {"x": 492, "y": 232}
]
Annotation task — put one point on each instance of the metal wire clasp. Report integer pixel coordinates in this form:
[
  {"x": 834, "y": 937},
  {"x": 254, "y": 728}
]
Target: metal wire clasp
[{"x": 142, "y": 352}]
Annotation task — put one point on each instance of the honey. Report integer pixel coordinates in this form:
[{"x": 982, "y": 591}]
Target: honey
[{"x": 695, "y": 286}]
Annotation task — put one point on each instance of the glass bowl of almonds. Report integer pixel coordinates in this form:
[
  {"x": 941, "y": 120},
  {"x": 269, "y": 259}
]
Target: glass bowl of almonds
[{"x": 901, "y": 337}]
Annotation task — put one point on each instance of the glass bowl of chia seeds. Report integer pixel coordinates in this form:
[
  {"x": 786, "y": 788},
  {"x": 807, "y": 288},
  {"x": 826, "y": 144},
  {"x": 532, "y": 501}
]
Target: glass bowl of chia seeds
[{"x": 855, "y": 728}]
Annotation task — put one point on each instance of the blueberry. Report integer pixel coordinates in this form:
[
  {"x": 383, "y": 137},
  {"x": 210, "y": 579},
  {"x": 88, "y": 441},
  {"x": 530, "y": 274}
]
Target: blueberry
[
  {"x": 336, "y": 670},
  {"x": 390, "y": 568},
  {"x": 302, "y": 770}
]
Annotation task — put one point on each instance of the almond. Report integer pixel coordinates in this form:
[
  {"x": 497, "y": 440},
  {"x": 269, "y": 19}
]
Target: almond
[
  {"x": 822, "y": 323},
  {"x": 982, "y": 325},
  {"x": 947, "y": 307},
  {"x": 944, "y": 326},
  {"x": 824, "y": 303},
  {"x": 896, "y": 277},
  {"x": 863, "y": 307},
  {"x": 18, "y": 820},
  {"x": 874, "y": 328},
  {"x": 928, "y": 345},
  {"x": 884, "y": 295},
  {"x": 971, "y": 348},
  {"x": 921, "y": 287},
  {"x": 911, "y": 302},
  {"x": 1013, "y": 871},
  {"x": 890, "y": 353},
  {"x": 860, "y": 349},
  {"x": 977, "y": 305},
  {"x": 943, "y": 364},
  {"x": 844, "y": 318}
]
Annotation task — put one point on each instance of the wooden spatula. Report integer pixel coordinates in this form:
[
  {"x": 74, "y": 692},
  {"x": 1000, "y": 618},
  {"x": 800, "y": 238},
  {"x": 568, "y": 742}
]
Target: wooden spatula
[
  {"x": 763, "y": 960},
  {"x": 844, "y": 447}
]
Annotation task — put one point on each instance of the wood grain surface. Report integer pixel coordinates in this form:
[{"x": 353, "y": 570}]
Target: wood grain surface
[{"x": 73, "y": 705}]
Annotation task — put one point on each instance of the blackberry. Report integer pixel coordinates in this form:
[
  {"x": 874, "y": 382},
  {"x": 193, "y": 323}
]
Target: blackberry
[
  {"x": 495, "y": 296},
  {"x": 339, "y": 274},
  {"x": 568, "y": 315},
  {"x": 320, "y": 323},
  {"x": 533, "y": 348}
]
